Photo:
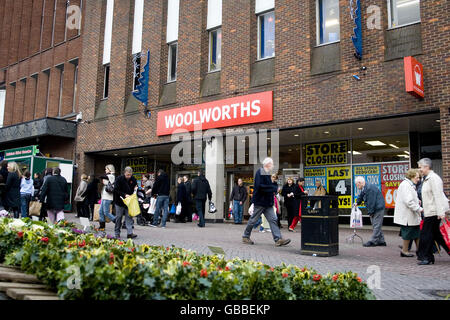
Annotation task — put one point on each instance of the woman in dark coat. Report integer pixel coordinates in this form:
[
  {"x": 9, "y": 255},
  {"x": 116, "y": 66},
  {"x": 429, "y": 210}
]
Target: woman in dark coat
[
  {"x": 92, "y": 195},
  {"x": 299, "y": 192},
  {"x": 288, "y": 193},
  {"x": 47, "y": 173},
  {"x": 11, "y": 199},
  {"x": 37, "y": 184},
  {"x": 3, "y": 177},
  {"x": 183, "y": 198}
]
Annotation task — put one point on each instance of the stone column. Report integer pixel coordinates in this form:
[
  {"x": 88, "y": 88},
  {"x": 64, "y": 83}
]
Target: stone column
[{"x": 214, "y": 172}]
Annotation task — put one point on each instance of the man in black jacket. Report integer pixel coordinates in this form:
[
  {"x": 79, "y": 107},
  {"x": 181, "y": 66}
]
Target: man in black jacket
[
  {"x": 238, "y": 197},
  {"x": 55, "y": 188},
  {"x": 263, "y": 195},
  {"x": 161, "y": 190},
  {"x": 201, "y": 190},
  {"x": 188, "y": 186},
  {"x": 124, "y": 186}
]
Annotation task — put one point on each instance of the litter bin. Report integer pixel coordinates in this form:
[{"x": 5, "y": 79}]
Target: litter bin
[{"x": 320, "y": 229}]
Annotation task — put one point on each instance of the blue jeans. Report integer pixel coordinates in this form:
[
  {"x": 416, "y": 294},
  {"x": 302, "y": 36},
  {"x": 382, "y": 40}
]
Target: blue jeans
[
  {"x": 25, "y": 199},
  {"x": 200, "y": 205},
  {"x": 162, "y": 202},
  {"x": 237, "y": 211},
  {"x": 104, "y": 211}
]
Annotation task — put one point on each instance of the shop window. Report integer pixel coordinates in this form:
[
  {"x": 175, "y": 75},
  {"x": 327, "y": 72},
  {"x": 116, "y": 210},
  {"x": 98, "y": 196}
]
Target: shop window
[
  {"x": 381, "y": 149},
  {"x": 108, "y": 32},
  {"x": 173, "y": 54},
  {"x": 403, "y": 12},
  {"x": 266, "y": 35},
  {"x": 2, "y": 105},
  {"x": 106, "y": 82},
  {"x": 215, "y": 48},
  {"x": 137, "y": 70},
  {"x": 327, "y": 17}
]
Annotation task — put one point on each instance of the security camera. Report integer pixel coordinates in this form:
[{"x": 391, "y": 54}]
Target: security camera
[
  {"x": 363, "y": 68},
  {"x": 79, "y": 117}
]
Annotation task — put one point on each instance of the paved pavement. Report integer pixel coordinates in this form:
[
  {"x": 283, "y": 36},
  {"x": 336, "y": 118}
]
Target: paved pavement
[{"x": 400, "y": 278}]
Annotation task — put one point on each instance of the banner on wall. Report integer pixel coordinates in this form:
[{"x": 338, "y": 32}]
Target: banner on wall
[
  {"x": 139, "y": 166},
  {"x": 329, "y": 153},
  {"x": 392, "y": 174},
  {"x": 312, "y": 175},
  {"x": 339, "y": 182}
]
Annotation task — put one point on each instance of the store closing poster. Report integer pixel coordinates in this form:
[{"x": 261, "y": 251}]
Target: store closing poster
[
  {"x": 392, "y": 174},
  {"x": 371, "y": 173},
  {"x": 312, "y": 175}
]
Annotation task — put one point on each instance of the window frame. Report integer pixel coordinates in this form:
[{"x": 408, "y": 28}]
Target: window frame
[
  {"x": 210, "y": 32},
  {"x": 169, "y": 62},
  {"x": 318, "y": 26},
  {"x": 258, "y": 48},
  {"x": 106, "y": 67},
  {"x": 390, "y": 27}
]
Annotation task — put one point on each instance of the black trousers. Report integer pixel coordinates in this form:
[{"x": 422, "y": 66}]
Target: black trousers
[
  {"x": 292, "y": 211},
  {"x": 428, "y": 235},
  {"x": 83, "y": 209},
  {"x": 189, "y": 211}
]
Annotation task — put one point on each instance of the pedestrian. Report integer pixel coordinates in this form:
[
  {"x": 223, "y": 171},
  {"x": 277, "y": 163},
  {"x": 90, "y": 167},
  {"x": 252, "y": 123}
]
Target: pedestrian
[
  {"x": 11, "y": 198},
  {"x": 148, "y": 184},
  {"x": 188, "y": 186},
  {"x": 435, "y": 205},
  {"x": 26, "y": 193},
  {"x": 92, "y": 195},
  {"x": 48, "y": 172},
  {"x": 124, "y": 186},
  {"x": 288, "y": 193},
  {"x": 408, "y": 210},
  {"x": 374, "y": 201},
  {"x": 299, "y": 192},
  {"x": 319, "y": 192},
  {"x": 277, "y": 206},
  {"x": 161, "y": 190},
  {"x": 238, "y": 196},
  {"x": 172, "y": 203},
  {"x": 183, "y": 199},
  {"x": 81, "y": 198},
  {"x": 3, "y": 177},
  {"x": 263, "y": 193},
  {"x": 201, "y": 190},
  {"x": 55, "y": 192},
  {"x": 37, "y": 184},
  {"x": 107, "y": 197}
]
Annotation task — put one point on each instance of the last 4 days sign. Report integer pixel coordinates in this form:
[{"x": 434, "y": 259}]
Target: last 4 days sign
[
  {"x": 340, "y": 184},
  {"x": 329, "y": 153}
]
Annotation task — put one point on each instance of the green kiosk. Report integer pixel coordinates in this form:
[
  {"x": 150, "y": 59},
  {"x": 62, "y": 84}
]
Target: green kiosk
[{"x": 28, "y": 159}]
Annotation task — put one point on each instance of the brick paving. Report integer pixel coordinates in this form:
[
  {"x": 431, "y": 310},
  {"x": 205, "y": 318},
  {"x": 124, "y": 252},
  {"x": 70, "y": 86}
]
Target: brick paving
[{"x": 401, "y": 278}]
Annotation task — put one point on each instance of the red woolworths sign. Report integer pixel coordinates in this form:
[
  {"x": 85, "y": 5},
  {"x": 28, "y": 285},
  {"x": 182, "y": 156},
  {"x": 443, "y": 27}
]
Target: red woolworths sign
[
  {"x": 414, "y": 77},
  {"x": 247, "y": 109}
]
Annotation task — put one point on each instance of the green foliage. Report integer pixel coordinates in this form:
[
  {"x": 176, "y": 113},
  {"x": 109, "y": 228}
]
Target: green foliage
[{"x": 112, "y": 269}]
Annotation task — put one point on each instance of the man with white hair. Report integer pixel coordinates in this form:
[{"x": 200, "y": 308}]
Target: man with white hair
[
  {"x": 263, "y": 197},
  {"x": 374, "y": 202}
]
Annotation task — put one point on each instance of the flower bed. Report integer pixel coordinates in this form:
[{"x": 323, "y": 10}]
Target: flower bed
[{"x": 63, "y": 258}]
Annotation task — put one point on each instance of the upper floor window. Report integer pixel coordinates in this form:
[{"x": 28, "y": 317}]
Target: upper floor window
[
  {"x": 106, "y": 81},
  {"x": 403, "y": 12},
  {"x": 215, "y": 47},
  {"x": 266, "y": 35},
  {"x": 328, "y": 26},
  {"x": 172, "y": 72},
  {"x": 108, "y": 32}
]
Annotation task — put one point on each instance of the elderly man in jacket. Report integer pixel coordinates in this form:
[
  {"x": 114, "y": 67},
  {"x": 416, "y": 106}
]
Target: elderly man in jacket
[
  {"x": 263, "y": 195},
  {"x": 374, "y": 201},
  {"x": 124, "y": 187}
]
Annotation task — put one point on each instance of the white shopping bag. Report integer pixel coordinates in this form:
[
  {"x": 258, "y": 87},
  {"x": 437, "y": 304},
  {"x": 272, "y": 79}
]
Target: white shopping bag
[
  {"x": 356, "y": 218},
  {"x": 152, "y": 207},
  {"x": 250, "y": 210},
  {"x": 178, "y": 212}
]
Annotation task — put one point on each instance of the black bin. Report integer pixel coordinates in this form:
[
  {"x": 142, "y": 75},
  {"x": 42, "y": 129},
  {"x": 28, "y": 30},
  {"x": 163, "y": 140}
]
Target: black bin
[{"x": 320, "y": 228}]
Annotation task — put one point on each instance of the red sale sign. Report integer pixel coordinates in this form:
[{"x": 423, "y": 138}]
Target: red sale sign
[
  {"x": 252, "y": 108},
  {"x": 392, "y": 174}
]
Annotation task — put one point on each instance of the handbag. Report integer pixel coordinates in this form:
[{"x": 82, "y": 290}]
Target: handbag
[
  {"x": 35, "y": 208},
  {"x": 96, "y": 212},
  {"x": 212, "y": 207},
  {"x": 133, "y": 205},
  {"x": 109, "y": 187},
  {"x": 444, "y": 228},
  {"x": 173, "y": 209},
  {"x": 356, "y": 218},
  {"x": 178, "y": 212},
  {"x": 152, "y": 208}
]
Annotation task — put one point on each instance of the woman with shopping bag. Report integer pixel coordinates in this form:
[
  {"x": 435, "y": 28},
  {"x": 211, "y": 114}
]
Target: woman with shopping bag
[
  {"x": 408, "y": 211},
  {"x": 182, "y": 201},
  {"x": 124, "y": 187},
  {"x": 107, "y": 196}
]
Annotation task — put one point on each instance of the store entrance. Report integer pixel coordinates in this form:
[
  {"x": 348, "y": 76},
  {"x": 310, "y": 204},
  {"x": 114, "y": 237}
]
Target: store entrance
[{"x": 232, "y": 179}]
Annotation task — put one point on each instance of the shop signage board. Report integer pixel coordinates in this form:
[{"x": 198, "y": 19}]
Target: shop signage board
[
  {"x": 21, "y": 152},
  {"x": 370, "y": 172},
  {"x": 329, "y": 153},
  {"x": 312, "y": 175},
  {"x": 252, "y": 108},
  {"x": 414, "y": 77},
  {"x": 392, "y": 174},
  {"x": 339, "y": 182}
]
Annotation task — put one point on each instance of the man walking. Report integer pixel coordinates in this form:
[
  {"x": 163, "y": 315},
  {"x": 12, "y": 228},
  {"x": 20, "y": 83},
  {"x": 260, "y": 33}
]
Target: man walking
[
  {"x": 161, "y": 190},
  {"x": 263, "y": 195},
  {"x": 56, "y": 191},
  {"x": 124, "y": 186},
  {"x": 238, "y": 196},
  {"x": 374, "y": 201},
  {"x": 201, "y": 190},
  {"x": 188, "y": 186}
]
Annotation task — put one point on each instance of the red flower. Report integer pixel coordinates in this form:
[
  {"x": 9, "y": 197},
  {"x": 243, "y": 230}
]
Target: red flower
[
  {"x": 227, "y": 268},
  {"x": 359, "y": 279},
  {"x": 271, "y": 269},
  {"x": 132, "y": 249},
  {"x": 317, "y": 277},
  {"x": 203, "y": 273},
  {"x": 303, "y": 270},
  {"x": 167, "y": 248},
  {"x": 186, "y": 263},
  {"x": 335, "y": 277},
  {"x": 82, "y": 244},
  {"x": 44, "y": 239},
  {"x": 20, "y": 234},
  {"x": 285, "y": 275},
  {"x": 219, "y": 268},
  {"x": 110, "y": 262},
  {"x": 120, "y": 242}
]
